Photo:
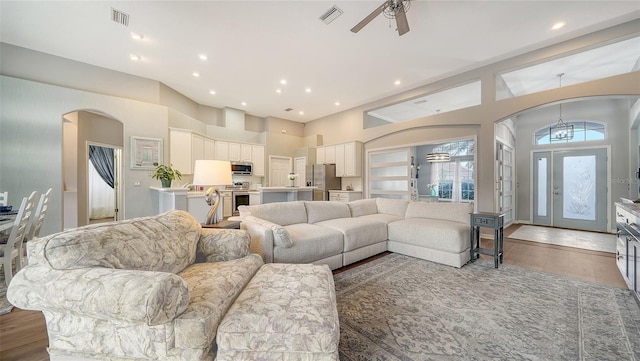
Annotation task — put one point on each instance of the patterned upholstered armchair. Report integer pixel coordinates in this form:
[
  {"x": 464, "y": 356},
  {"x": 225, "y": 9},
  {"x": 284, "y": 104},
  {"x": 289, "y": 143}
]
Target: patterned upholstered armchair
[{"x": 147, "y": 288}]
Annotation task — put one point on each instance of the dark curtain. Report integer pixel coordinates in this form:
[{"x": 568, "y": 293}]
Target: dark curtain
[{"x": 102, "y": 160}]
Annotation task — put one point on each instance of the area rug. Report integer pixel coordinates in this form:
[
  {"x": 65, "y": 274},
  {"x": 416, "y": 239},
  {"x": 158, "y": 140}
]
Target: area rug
[
  {"x": 5, "y": 306},
  {"x": 603, "y": 242},
  {"x": 403, "y": 308}
]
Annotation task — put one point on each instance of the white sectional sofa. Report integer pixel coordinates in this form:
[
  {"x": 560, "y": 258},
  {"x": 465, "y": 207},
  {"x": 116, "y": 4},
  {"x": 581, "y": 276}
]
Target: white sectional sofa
[{"x": 338, "y": 234}]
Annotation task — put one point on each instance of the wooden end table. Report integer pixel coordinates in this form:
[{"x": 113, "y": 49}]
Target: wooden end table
[{"x": 224, "y": 224}]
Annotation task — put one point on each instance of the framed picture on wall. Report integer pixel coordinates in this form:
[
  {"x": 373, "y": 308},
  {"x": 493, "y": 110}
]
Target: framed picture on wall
[{"x": 145, "y": 152}]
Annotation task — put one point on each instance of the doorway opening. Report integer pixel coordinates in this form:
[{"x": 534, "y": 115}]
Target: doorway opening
[{"x": 83, "y": 129}]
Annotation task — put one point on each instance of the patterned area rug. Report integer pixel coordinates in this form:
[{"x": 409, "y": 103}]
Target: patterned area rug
[
  {"x": 594, "y": 241},
  {"x": 5, "y": 306},
  {"x": 403, "y": 308}
]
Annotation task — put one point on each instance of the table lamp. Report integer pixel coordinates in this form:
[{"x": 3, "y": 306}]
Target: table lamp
[{"x": 212, "y": 173}]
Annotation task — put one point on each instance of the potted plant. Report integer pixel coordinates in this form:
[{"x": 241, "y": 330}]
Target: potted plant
[{"x": 166, "y": 174}]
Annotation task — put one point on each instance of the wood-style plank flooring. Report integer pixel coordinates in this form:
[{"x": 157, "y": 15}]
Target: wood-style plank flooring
[{"x": 23, "y": 334}]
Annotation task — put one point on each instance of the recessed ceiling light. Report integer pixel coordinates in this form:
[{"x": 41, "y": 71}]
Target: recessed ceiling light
[
  {"x": 283, "y": 81},
  {"x": 397, "y": 82},
  {"x": 134, "y": 57},
  {"x": 301, "y": 112},
  {"x": 202, "y": 57},
  {"x": 212, "y": 92},
  {"x": 137, "y": 36},
  {"x": 278, "y": 91},
  {"x": 244, "y": 104},
  {"x": 559, "y": 25},
  {"x": 196, "y": 74},
  {"x": 337, "y": 104},
  {"x": 308, "y": 90}
]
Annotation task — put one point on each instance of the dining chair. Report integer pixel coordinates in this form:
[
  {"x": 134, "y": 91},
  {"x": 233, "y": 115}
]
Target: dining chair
[
  {"x": 4, "y": 198},
  {"x": 13, "y": 249},
  {"x": 38, "y": 217}
]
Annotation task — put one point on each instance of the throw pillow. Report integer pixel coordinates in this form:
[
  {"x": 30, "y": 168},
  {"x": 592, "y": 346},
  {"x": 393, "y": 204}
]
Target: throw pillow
[{"x": 280, "y": 234}]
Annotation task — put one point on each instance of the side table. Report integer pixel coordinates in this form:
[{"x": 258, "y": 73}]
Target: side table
[
  {"x": 489, "y": 220},
  {"x": 224, "y": 224}
]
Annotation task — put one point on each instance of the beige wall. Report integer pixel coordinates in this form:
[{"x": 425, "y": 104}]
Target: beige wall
[{"x": 479, "y": 120}]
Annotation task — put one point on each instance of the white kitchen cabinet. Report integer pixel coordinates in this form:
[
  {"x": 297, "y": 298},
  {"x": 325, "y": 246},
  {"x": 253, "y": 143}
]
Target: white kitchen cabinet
[
  {"x": 344, "y": 196},
  {"x": 352, "y": 159},
  {"x": 234, "y": 152},
  {"x": 184, "y": 148},
  {"x": 222, "y": 150},
  {"x": 209, "y": 149},
  {"x": 339, "y": 154},
  {"x": 320, "y": 155},
  {"x": 227, "y": 203},
  {"x": 330, "y": 154},
  {"x": 257, "y": 157},
  {"x": 246, "y": 153},
  {"x": 197, "y": 149}
]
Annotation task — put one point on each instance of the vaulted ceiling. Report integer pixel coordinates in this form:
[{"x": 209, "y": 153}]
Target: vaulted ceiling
[{"x": 253, "y": 47}]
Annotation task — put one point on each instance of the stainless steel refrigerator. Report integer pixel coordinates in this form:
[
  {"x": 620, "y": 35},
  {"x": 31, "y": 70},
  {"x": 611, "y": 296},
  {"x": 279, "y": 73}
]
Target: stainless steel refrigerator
[{"x": 324, "y": 177}]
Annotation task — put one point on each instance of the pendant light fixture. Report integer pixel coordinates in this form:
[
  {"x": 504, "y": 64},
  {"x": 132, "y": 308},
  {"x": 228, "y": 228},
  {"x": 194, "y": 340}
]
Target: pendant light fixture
[
  {"x": 438, "y": 157},
  {"x": 561, "y": 132}
]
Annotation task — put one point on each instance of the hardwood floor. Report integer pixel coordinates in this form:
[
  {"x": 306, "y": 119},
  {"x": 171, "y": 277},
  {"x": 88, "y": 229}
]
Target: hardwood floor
[{"x": 23, "y": 334}]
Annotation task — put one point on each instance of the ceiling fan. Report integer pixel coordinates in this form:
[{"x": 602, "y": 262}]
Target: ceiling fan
[{"x": 392, "y": 9}]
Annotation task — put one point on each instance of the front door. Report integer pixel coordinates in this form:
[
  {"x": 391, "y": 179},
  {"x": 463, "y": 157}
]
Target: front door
[{"x": 570, "y": 189}]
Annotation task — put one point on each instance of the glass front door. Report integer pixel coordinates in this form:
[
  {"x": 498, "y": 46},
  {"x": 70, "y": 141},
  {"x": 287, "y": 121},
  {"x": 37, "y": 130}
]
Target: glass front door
[{"x": 570, "y": 189}]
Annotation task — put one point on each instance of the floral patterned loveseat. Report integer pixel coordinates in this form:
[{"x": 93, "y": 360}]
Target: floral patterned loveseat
[{"x": 152, "y": 288}]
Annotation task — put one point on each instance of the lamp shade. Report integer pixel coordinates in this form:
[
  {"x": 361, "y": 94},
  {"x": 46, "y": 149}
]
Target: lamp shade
[{"x": 212, "y": 172}]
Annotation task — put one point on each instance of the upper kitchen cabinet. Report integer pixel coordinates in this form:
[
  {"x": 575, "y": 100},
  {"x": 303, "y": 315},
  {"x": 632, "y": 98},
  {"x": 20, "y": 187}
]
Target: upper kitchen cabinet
[
  {"x": 222, "y": 150},
  {"x": 235, "y": 152},
  {"x": 257, "y": 157},
  {"x": 184, "y": 148},
  {"x": 346, "y": 156},
  {"x": 246, "y": 153},
  {"x": 209, "y": 149}
]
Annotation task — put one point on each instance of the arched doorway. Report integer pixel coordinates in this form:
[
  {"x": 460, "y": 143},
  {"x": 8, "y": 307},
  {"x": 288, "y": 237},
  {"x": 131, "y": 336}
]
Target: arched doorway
[{"x": 84, "y": 131}]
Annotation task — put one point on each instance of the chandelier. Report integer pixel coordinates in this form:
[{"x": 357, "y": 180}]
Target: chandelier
[
  {"x": 561, "y": 131},
  {"x": 438, "y": 157}
]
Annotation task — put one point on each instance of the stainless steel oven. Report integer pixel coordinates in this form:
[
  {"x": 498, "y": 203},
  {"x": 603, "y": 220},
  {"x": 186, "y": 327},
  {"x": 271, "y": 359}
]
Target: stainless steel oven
[{"x": 240, "y": 198}]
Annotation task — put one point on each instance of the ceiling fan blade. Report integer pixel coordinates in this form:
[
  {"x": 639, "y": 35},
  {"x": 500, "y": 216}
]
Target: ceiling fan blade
[
  {"x": 401, "y": 20},
  {"x": 369, "y": 17}
]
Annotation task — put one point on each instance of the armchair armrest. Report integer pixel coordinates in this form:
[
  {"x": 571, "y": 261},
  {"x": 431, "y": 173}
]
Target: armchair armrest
[
  {"x": 103, "y": 293},
  {"x": 218, "y": 245}
]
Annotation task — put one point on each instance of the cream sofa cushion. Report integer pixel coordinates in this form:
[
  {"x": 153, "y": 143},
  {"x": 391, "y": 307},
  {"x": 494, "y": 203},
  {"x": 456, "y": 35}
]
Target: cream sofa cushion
[
  {"x": 435, "y": 234},
  {"x": 358, "y": 232},
  {"x": 455, "y": 212},
  {"x": 280, "y": 234},
  {"x": 321, "y": 211},
  {"x": 282, "y": 213},
  {"x": 396, "y": 207},
  {"x": 311, "y": 243},
  {"x": 363, "y": 207}
]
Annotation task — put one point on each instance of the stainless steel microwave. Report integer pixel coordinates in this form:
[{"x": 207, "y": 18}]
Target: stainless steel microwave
[{"x": 241, "y": 168}]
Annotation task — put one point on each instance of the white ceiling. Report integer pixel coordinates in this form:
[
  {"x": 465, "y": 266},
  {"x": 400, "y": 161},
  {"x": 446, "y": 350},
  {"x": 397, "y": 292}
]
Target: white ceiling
[{"x": 252, "y": 45}]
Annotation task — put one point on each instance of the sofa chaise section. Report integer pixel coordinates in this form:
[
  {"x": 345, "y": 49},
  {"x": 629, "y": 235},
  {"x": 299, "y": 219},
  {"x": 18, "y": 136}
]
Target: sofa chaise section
[{"x": 436, "y": 232}]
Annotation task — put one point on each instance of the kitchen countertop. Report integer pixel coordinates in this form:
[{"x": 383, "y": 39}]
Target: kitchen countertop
[
  {"x": 633, "y": 208},
  {"x": 343, "y": 190},
  {"x": 285, "y": 189}
]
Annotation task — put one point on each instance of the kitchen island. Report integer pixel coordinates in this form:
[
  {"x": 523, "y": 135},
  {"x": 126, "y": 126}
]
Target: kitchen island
[{"x": 280, "y": 194}]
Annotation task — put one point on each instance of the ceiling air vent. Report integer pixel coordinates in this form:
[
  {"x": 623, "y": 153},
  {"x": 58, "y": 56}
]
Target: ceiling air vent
[
  {"x": 119, "y": 17},
  {"x": 288, "y": 109},
  {"x": 331, "y": 14},
  {"x": 421, "y": 101}
]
